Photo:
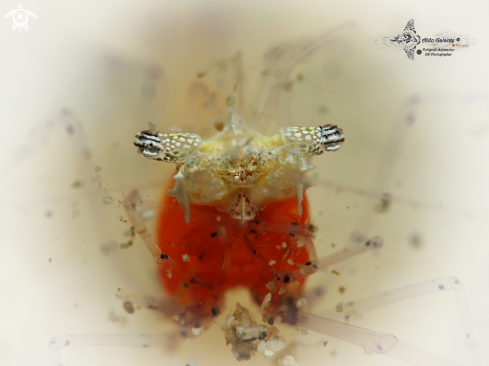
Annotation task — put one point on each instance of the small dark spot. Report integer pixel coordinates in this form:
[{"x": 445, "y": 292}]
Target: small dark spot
[
  {"x": 219, "y": 125},
  {"x": 213, "y": 235},
  {"x": 312, "y": 228},
  {"x": 214, "y": 311},
  {"x": 128, "y": 307},
  {"x": 309, "y": 263},
  {"x": 279, "y": 278},
  {"x": 410, "y": 118},
  {"x": 292, "y": 234},
  {"x": 455, "y": 282},
  {"x": 183, "y": 334},
  {"x": 253, "y": 251},
  {"x": 271, "y": 320},
  {"x": 415, "y": 241},
  {"x": 441, "y": 287},
  {"x": 145, "y": 345},
  {"x": 314, "y": 266},
  {"x": 154, "y": 71},
  {"x": 164, "y": 256},
  {"x": 67, "y": 343},
  {"x": 70, "y": 129},
  {"x": 201, "y": 256},
  {"x": 253, "y": 231},
  {"x": 384, "y": 204},
  {"x": 257, "y": 222},
  {"x": 249, "y": 340},
  {"x": 341, "y": 289},
  {"x": 379, "y": 347},
  {"x": 286, "y": 279},
  {"x": 186, "y": 285},
  {"x": 294, "y": 223},
  {"x": 367, "y": 243},
  {"x": 197, "y": 325},
  {"x": 263, "y": 335},
  {"x": 66, "y": 112}
]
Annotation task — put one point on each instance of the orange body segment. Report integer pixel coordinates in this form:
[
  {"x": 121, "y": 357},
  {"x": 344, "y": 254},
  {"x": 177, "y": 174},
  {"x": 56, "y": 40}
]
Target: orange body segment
[{"x": 218, "y": 253}]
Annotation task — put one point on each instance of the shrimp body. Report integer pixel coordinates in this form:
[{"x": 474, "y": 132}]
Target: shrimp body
[{"x": 236, "y": 214}]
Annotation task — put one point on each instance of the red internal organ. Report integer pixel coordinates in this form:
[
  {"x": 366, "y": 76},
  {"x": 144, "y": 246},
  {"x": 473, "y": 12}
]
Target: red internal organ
[{"x": 218, "y": 253}]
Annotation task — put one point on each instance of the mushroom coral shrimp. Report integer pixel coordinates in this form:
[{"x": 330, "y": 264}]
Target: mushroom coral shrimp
[{"x": 237, "y": 215}]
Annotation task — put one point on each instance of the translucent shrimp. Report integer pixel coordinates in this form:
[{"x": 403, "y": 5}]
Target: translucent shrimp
[{"x": 70, "y": 247}]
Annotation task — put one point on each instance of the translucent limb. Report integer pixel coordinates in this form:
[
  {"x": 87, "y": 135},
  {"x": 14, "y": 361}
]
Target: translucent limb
[
  {"x": 389, "y": 344},
  {"x": 105, "y": 340},
  {"x": 163, "y": 260},
  {"x": 321, "y": 263},
  {"x": 271, "y": 100},
  {"x": 139, "y": 298},
  {"x": 208, "y": 96},
  {"x": 163, "y": 305},
  {"x": 381, "y": 343},
  {"x": 419, "y": 289}
]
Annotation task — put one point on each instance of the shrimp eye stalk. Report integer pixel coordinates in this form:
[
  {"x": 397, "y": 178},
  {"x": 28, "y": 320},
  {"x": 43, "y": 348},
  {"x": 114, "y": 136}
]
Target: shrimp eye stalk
[
  {"x": 313, "y": 140},
  {"x": 168, "y": 147}
]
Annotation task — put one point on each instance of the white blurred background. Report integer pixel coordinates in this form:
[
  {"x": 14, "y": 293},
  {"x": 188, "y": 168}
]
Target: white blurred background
[{"x": 87, "y": 76}]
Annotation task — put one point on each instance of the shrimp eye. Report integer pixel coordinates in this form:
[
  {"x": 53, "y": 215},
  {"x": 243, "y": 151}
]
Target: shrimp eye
[
  {"x": 332, "y": 137},
  {"x": 149, "y": 144},
  {"x": 169, "y": 147}
]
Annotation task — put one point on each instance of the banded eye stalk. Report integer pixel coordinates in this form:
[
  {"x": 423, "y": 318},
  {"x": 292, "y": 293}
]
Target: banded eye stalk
[
  {"x": 169, "y": 147},
  {"x": 314, "y": 140}
]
